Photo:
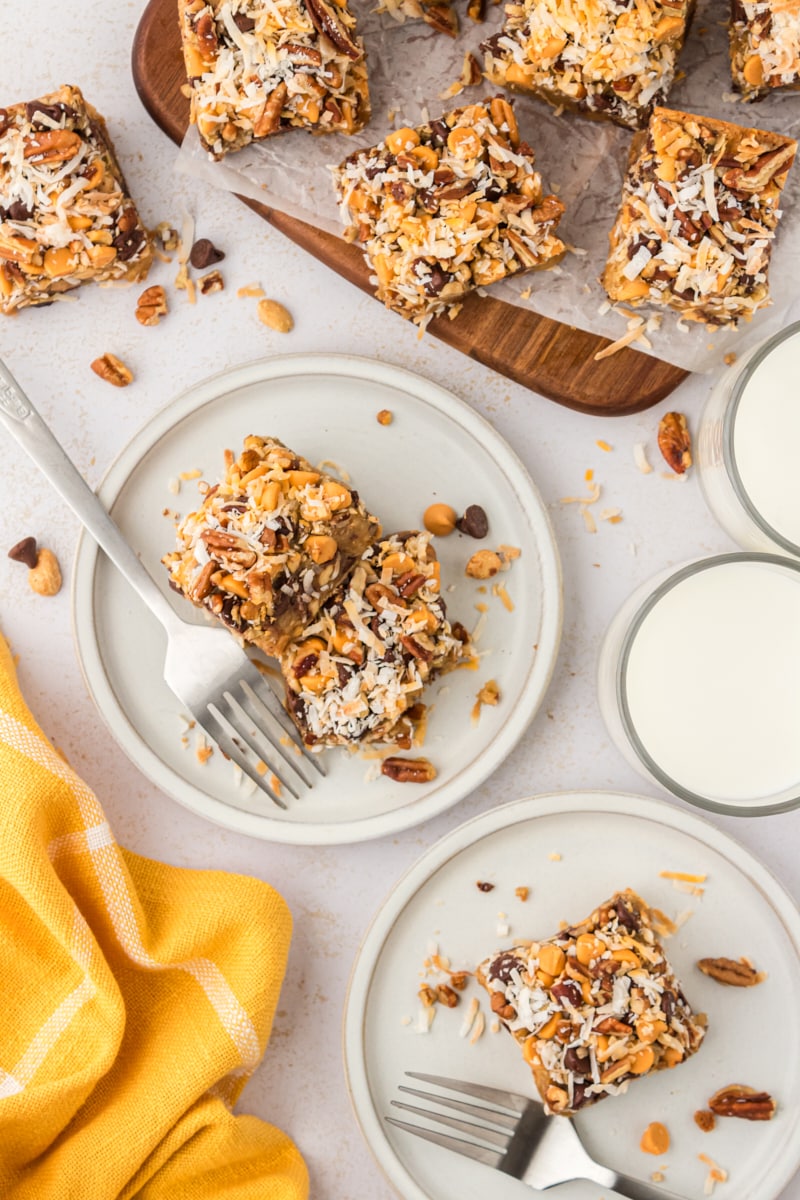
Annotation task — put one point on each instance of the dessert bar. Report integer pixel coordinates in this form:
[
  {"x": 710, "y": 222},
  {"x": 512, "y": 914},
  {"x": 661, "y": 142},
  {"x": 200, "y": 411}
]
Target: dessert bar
[
  {"x": 700, "y": 208},
  {"x": 358, "y": 671},
  {"x": 604, "y": 59},
  {"x": 765, "y": 46},
  {"x": 257, "y": 67},
  {"x": 448, "y": 207},
  {"x": 269, "y": 543},
  {"x": 66, "y": 216},
  {"x": 595, "y": 1006}
]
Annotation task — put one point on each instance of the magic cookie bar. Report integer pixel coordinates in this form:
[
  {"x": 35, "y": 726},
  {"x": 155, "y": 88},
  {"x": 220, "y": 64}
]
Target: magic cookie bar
[
  {"x": 439, "y": 14},
  {"x": 595, "y": 1006},
  {"x": 448, "y": 207},
  {"x": 65, "y": 213},
  {"x": 765, "y": 46},
  {"x": 602, "y": 58},
  {"x": 257, "y": 67},
  {"x": 700, "y": 207},
  {"x": 359, "y": 670},
  {"x": 269, "y": 543}
]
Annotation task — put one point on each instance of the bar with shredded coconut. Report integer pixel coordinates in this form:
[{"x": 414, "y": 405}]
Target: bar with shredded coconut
[
  {"x": 764, "y": 47},
  {"x": 448, "y": 207},
  {"x": 601, "y": 58},
  {"x": 269, "y": 543},
  {"x": 594, "y": 1007},
  {"x": 66, "y": 216},
  {"x": 699, "y": 214},
  {"x": 357, "y": 673},
  {"x": 259, "y": 67}
]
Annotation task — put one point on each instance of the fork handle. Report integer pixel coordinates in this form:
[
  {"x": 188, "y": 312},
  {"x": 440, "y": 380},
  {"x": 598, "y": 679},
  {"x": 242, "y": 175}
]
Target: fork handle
[
  {"x": 23, "y": 421},
  {"x": 625, "y": 1185}
]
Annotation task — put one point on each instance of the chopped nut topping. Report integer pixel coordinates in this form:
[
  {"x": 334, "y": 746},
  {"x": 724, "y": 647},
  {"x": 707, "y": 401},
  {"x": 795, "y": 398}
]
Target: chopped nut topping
[
  {"x": 704, "y": 1119},
  {"x": 212, "y": 282},
  {"x": 522, "y": 893},
  {"x": 408, "y": 770},
  {"x": 151, "y": 306}
]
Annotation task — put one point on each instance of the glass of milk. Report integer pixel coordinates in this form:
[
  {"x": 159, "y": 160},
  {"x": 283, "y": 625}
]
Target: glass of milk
[
  {"x": 747, "y": 450},
  {"x": 699, "y": 682}
]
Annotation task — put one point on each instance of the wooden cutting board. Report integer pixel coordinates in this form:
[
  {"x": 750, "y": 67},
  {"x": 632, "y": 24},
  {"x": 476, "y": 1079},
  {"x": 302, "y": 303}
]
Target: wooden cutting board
[{"x": 544, "y": 355}]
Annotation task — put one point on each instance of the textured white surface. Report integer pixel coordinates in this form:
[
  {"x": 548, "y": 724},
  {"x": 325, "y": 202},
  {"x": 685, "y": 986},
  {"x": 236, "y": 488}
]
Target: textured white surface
[{"x": 332, "y": 892}]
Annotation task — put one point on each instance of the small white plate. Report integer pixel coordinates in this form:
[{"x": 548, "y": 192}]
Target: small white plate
[
  {"x": 436, "y": 449},
  {"x": 606, "y": 842}
]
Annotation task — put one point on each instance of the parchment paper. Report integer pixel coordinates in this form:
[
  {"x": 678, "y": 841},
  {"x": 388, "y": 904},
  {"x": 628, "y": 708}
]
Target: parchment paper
[{"x": 583, "y": 161}]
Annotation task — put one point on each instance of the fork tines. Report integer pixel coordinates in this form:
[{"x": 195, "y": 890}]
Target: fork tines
[
  {"x": 251, "y": 728},
  {"x": 495, "y": 1128}
]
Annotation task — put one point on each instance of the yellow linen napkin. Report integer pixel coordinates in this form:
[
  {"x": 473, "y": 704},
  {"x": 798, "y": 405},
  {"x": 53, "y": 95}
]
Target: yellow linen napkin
[{"x": 135, "y": 1001}]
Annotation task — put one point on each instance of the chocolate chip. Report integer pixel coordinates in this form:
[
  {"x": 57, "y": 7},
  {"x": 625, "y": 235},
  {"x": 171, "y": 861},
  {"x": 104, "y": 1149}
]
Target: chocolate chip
[
  {"x": 128, "y": 244},
  {"x": 503, "y": 966},
  {"x": 569, "y": 993},
  {"x": 204, "y": 254},
  {"x": 436, "y": 281},
  {"x": 482, "y": 886},
  {"x": 26, "y": 552},
  {"x": 667, "y": 1004},
  {"x": 18, "y": 211},
  {"x": 474, "y": 522},
  {"x": 576, "y": 1062},
  {"x": 54, "y": 111},
  {"x": 244, "y": 23},
  {"x": 625, "y": 916},
  {"x": 439, "y": 133}
]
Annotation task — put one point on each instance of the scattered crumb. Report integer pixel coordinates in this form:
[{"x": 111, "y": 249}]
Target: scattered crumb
[
  {"x": 522, "y": 893},
  {"x": 526, "y": 293},
  {"x": 469, "y": 1017},
  {"x": 488, "y": 694},
  {"x": 658, "y": 1177},
  {"x": 328, "y": 464},
  {"x": 588, "y": 475},
  {"x": 174, "y": 486},
  {"x": 554, "y": 856},
  {"x": 704, "y": 1119},
  {"x": 495, "y": 1026},
  {"x": 385, "y": 416},
  {"x": 261, "y": 767},
  {"x": 640, "y": 458},
  {"x": 252, "y": 291},
  {"x": 682, "y": 875},
  {"x": 195, "y": 473},
  {"x": 716, "y": 1174},
  {"x": 275, "y": 784},
  {"x": 730, "y": 358},
  {"x": 602, "y": 445},
  {"x": 405, "y": 1020},
  {"x": 482, "y": 886},
  {"x": 503, "y": 929},
  {"x": 203, "y": 750},
  {"x": 612, "y": 515},
  {"x": 501, "y": 593}
]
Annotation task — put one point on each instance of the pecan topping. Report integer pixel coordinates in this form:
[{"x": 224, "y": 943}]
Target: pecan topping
[
  {"x": 206, "y": 34},
  {"x": 737, "y": 1100},
  {"x": 674, "y": 442},
  {"x": 731, "y": 972},
  {"x": 408, "y": 770},
  {"x": 325, "y": 20},
  {"x": 51, "y": 146},
  {"x": 113, "y": 370},
  {"x": 445, "y": 995},
  {"x": 765, "y": 168},
  {"x": 151, "y": 306},
  {"x": 441, "y": 18}
]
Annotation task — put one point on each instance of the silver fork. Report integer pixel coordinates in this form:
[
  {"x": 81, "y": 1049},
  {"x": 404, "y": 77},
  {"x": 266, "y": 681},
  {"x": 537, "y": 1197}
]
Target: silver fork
[
  {"x": 533, "y": 1147},
  {"x": 223, "y": 690}
]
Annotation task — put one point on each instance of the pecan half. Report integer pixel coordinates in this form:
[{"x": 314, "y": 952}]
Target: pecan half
[
  {"x": 674, "y": 442},
  {"x": 765, "y": 168},
  {"x": 737, "y": 1100},
  {"x": 206, "y": 32},
  {"x": 51, "y": 145},
  {"x": 151, "y": 305},
  {"x": 408, "y": 770},
  {"x": 269, "y": 118},
  {"x": 113, "y": 370},
  {"x": 325, "y": 20},
  {"x": 731, "y": 972}
]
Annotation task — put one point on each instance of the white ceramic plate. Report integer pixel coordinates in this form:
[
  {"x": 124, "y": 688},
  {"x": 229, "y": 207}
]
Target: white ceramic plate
[
  {"x": 607, "y": 841},
  {"x": 437, "y": 448}
]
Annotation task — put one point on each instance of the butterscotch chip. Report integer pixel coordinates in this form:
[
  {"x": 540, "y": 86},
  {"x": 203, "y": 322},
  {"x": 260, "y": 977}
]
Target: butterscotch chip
[
  {"x": 385, "y": 416},
  {"x": 66, "y": 215},
  {"x": 273, "y": 314}
]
